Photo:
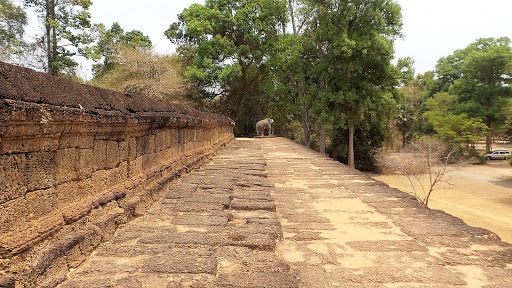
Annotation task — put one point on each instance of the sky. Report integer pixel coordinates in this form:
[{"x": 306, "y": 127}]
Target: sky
[{"x": 432, "y": 28}]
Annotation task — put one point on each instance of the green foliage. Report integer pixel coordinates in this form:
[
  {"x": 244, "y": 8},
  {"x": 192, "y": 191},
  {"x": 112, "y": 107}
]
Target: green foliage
[
  {"x": 68, "y": 32},
  {"x": 354, "y": 41},
  {"x": 110, "y": 43},
  {"x": 226, "y": 47},
  {"x": 12, "y": 27},
  {"x": 333, "y": 73},
  {"x": 479, "y": 76},
  {"x": 456, "y": 129},
  {"x": 406, "y": 67}
]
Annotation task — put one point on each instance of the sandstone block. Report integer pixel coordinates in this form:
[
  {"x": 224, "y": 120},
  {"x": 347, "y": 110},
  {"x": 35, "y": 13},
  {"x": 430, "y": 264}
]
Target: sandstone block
[
  {"x": 132, "y": 147},
  {"x": 123, "y": 151},
  {"x": 86, "y": 166},
  {"x": 77, "y": 140},
  {"x": 28, "y": 234},
  {"x": 112, "y": 158},
  {"x": 40, "y": 170},
  {"x": 12, "y": 176},
  {"x": 7, "y": 282},
  {"x": 174, "y": 137},
  {"x": 41, "y": 202},
  {"x": 135, "y": 167},
  {"x": 67, "y": 163},
  {"x": 100, "y": 154},
  {"x": 11, "y": 212},
  {"x": 160, "y": 143},
  {"x": 151, "y": 144},
  {"x": 70, "y": 192}
]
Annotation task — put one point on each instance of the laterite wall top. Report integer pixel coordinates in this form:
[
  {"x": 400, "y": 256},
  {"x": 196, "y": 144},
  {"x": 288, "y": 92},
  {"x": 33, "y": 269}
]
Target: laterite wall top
[{"x": 26, "y": 85}]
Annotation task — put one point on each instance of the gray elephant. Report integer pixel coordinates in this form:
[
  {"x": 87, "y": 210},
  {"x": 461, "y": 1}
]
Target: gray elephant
[{"x": 264, "y": 125}]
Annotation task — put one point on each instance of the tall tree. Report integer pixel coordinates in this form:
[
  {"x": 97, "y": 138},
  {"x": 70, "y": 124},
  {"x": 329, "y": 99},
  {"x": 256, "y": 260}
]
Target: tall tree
[
  {"x": 226, "y": 46},
  {"x": 482, "y": 80},
  {"x": 355, "y": 49},
  {"x": 67, "y": 32},
  {"x": 454, "y": 128},
  {"x": 110, "y": 43},
  {"x": 12, "y": 27}
]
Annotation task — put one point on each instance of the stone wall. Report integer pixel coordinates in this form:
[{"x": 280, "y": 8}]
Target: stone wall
[{"x": 78, "y": 161}]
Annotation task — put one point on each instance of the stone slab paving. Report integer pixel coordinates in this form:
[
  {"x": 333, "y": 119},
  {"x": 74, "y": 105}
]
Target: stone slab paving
[{"x": 271, "y": 213}]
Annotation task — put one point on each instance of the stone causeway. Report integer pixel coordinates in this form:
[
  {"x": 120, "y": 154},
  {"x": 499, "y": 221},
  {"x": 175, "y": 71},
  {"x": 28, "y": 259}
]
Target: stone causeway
[{"x": 271, "y": 213}]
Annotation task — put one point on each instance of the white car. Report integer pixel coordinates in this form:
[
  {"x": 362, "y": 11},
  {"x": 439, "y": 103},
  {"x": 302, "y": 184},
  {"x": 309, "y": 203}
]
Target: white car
[{"x": 498, "y": 154}]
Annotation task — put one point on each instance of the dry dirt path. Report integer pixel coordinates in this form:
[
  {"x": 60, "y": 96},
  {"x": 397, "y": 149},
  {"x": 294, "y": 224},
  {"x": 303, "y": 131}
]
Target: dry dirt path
[
  {"x": 270, "y": 213},
  {"x": 481, "y": 195}
]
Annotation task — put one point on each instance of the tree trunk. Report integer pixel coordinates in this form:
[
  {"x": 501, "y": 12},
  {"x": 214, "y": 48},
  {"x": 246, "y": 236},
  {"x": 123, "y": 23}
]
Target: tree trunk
[
  {"x": 51, "y": 37},
  {"x": 292, "y": 15},
  {"x": 48, "y": 38},
  {"x": 305, "y": 124},
  {"x": 351, "y": 162},
  {"x": 322, "y": 139},
  {"x": 488, "y": 138},
  {"x": 404, "y": 135}
]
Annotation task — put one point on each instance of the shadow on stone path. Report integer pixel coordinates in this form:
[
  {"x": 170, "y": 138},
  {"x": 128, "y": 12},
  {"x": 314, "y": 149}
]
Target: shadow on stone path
[{"x": 271, "y": 213}]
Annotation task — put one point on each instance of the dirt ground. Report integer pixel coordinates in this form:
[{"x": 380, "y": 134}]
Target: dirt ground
[{"x": 481, "y": 195}]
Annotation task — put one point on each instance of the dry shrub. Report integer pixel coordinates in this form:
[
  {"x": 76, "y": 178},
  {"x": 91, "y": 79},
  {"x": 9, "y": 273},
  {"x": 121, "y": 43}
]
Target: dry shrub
[
  {"x": 428, "y": 156},
  {"x": 391, "y": 162},
  {"x": 146, "y": 73}
]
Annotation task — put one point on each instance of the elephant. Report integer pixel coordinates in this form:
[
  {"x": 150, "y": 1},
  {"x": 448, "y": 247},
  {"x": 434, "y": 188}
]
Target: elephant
[{"x": 264, "y": 125}]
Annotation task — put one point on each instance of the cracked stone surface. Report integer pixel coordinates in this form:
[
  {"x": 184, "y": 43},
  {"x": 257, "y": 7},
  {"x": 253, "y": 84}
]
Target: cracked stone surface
[{"x": 271, "y": 213}]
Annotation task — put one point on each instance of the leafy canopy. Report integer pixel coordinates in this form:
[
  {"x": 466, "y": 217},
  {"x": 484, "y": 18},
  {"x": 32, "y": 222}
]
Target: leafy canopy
[
  {"x": 225, "y": 46},
  {"x": 68, "y": 32},
  {"x": 110, "y": 43},
  {"x": 12, "y": 27}
]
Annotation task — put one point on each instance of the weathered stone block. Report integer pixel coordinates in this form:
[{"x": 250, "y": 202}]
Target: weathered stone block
[
  {"x": 116, "y": 175},
  {"x": 112, "y": 154},
  {"x": 69, "y": 192},
  {"x": 86, "y": 166},
  {"x": 131, "y": 148},
  {"x": 151, "y": 147},
  {"x": 149, "y": 161},
  {"x": 174, "y": 137},
  {"x": 77, "y": 140},
  {"x": 100, "y": 154},
  {"x": 40, "y": 170},
  {"x": 67, "y": 163},
  {"x": 160, "y": 141},
  {"x": 7, "y": 282},
  {"x": 27, "y": 234},
  {"x": 39, "y": 143},
  {"x": 41, "y": 202},
  {"x": 12, "y": 177},
  {"x": 75, "y": 211},
  {"x": 124, "y": 154},
  {"x": 11, "y": 212}
]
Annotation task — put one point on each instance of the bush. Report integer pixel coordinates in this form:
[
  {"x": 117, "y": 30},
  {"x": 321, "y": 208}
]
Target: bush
[
  {"x": 475, "y": 158},
  {"x": 428, "y": 156}
]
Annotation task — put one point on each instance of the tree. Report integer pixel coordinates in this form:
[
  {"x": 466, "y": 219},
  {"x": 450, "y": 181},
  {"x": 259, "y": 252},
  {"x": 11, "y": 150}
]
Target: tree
[
  {"x": 355, "y": 48},
  {"x": 225, "y": 45},
  {"x": 479, "y": 76},
  {"x": 404, "y": 120},
  {"x": 449, "y": 126},
  {"x": 406, "y": 67},
  {"x": 110, "y": 43},
  {"x": 67, "y": 32},
  {"x": 12, "y": 27},
  {"x": 145, "y": 73},
  {"x": 428, "y": 156}
]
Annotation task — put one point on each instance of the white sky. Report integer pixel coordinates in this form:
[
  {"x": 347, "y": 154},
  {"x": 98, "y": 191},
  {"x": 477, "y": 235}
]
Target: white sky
[{"x": 432, "y": 28}]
